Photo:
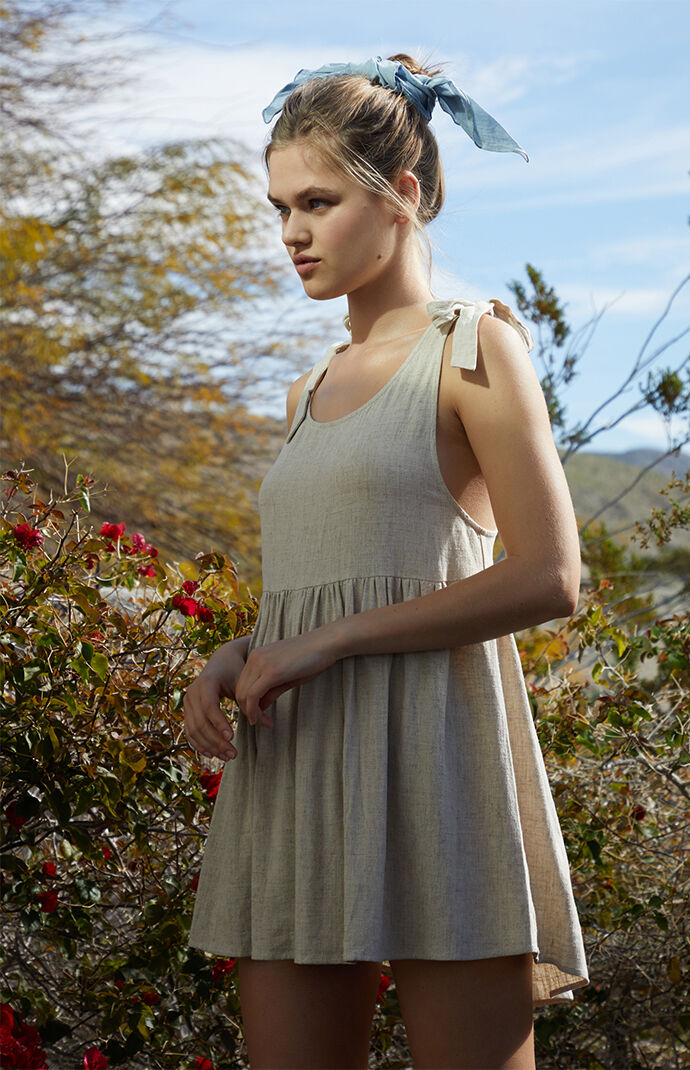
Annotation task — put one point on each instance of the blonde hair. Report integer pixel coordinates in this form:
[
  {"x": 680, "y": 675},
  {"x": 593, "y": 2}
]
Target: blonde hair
[{"x": 368, "y": 132}]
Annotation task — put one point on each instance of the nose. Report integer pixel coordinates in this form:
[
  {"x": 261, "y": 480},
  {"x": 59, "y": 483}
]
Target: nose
[{"x": 295, "y": 229}]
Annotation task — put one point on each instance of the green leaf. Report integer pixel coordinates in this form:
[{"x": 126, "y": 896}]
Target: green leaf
[{"x": 99, "y": 664}]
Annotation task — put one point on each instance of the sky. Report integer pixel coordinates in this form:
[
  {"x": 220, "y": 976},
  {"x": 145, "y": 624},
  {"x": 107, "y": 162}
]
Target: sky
[{"x": 596, "y": 92}]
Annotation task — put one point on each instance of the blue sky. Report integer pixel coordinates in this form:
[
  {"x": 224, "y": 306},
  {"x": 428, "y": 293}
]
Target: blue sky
[{"x": 596, "y": 92}]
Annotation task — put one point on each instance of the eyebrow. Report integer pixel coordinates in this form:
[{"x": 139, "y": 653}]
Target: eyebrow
[{"x": 305, "y": 194}]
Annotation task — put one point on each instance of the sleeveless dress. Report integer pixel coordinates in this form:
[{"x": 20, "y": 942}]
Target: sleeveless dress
[{"x": 399, "y": 807}]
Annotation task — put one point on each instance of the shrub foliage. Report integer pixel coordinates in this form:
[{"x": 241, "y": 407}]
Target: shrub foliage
[{"x": 105, "y": 809}]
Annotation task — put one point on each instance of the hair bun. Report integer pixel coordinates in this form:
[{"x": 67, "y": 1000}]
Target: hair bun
[{"x": 413, "y": 66}]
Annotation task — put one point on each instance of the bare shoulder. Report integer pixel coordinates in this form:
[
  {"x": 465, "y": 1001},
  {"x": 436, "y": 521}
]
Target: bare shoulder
[
  {"x": 500, "y": 343},
  {"x": 293, "y": 396},
  {"x": 503, "y": 410}
]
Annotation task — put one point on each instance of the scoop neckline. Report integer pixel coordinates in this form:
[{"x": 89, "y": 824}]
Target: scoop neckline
[{"x": 364, "y": 405}]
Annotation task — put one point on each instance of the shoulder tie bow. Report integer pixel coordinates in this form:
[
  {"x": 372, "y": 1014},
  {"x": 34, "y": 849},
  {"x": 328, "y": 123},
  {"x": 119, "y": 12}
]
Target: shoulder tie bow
[{"x": 443, "y": 315}]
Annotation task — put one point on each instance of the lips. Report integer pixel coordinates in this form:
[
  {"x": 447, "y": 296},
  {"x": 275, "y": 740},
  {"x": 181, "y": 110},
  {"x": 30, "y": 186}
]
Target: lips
[{"x": 305, "y": 264}]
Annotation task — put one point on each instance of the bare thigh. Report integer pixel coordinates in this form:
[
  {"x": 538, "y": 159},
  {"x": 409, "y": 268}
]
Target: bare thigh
[
  {"x": 474, "y": 1015},
  {"x": 306, "y": 1017}
]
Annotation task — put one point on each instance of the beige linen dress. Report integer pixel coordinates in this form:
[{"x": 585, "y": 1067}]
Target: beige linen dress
[{"x": 399, "y": 807}]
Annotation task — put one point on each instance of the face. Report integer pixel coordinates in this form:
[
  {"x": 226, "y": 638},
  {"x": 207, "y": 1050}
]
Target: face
[{"x": 339, "y": 236}]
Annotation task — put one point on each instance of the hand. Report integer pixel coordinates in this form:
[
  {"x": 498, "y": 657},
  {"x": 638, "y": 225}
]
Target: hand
[
  {"x": 207, "y": 729},
  {"x": 277, "y": 667}
]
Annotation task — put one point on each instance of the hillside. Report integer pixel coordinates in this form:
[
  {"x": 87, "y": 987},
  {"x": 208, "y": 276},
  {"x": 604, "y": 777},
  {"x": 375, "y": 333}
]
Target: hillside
[{"x": 596, "y": 480}]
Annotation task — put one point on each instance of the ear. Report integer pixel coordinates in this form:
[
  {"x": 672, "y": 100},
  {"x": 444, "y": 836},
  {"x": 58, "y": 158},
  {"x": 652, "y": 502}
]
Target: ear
[{"x": 407, "y": 187}]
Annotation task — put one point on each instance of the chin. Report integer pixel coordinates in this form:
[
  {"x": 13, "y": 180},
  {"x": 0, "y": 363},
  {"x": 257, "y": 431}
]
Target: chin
[{"x": 323, "y": 293}]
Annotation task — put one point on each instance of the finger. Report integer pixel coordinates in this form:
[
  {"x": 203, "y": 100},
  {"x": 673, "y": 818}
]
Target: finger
[
  {"x": 215, "y": 745},
  {"x": 220, "y": 723},
  {"x": 204, "y": 737}
]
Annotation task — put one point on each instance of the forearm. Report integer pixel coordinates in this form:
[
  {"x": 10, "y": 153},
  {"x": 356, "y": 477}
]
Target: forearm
[{"x": 504, "y": 598}]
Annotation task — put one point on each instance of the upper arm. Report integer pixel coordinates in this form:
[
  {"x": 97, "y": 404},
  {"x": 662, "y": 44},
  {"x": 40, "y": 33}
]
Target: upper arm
[
  {"x": 294, "y": 394},
  {"x": 504, "y": 413}
]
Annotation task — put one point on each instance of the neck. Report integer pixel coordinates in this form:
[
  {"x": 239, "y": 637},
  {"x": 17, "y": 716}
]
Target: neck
[{"x": 393, "y": 305}]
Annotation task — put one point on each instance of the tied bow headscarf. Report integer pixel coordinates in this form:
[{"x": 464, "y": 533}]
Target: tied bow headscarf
[{"x": 423, "y": 91}]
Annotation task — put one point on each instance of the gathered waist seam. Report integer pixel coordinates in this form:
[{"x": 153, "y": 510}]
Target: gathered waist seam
[{"x": 352, "y": 579}]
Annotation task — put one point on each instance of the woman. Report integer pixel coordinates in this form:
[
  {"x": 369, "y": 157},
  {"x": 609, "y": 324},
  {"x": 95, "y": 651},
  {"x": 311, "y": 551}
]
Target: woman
[{"x": 393, "y": 805}]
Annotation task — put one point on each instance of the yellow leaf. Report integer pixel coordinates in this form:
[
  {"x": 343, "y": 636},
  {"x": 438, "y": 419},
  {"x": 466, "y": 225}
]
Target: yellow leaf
[{"x": 673, "y": 970}]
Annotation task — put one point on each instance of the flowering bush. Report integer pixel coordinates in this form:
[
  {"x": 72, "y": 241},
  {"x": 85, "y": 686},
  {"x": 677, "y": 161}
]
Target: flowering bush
[{"x": 105, "y": 808}]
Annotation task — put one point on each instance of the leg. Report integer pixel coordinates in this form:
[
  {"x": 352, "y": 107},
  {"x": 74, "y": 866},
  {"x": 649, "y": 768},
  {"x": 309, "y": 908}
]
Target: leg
[
  {"x": 468, "y": 1015},
  {"x": 307, "y": 1016}
]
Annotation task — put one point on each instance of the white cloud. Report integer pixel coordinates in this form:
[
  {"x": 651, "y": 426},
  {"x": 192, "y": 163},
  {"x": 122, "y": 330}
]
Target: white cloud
[
  {"x": 643, "y": 250},
  {"x": 584, "y": 301}
]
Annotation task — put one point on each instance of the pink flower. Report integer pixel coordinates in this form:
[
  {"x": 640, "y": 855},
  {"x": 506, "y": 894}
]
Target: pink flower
[
  {"x": 26, "y": 536},
  {"x": 189, "y": 607},
  {"x": 48, "y": 869},
  {"x": 190, "y": 586},
  {"x": 147, "y": 570},
  {"x": 113, "y": 531},
  {"x": 139, "y": 543},
  {"x": 95, "y": 1060},
  {"x": 210, "y": 782},
  {"x": 48, "y": 901}
]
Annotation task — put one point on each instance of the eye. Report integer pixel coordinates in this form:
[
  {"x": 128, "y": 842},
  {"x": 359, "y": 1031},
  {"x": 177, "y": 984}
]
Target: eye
[{"x": 316, "y": 201}]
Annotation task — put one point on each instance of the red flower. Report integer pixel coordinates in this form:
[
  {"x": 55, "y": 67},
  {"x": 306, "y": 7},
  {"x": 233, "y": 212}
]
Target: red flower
[
  {"x": 147, "y": 570},
  {"x": 90, "y": 561},
  {"x": 195, "y": 882},
  {"x": 107, "y": 853},
  {"x": 187, "y": 606},
  {"x": 151, "y": 998},
  {"x": 210, "y": 782},
  {"x": 19, "y": 1043},
  {"x": 221, "y": 967},
  {"x": 118, "y": 982},
  {"x": 95, "y": 1060},
  {"x": 6, "y": 1018},
  {"x": 48, "y": 869},
  {"x": 384, "y": 984},
  {"x": 204, "y": 1064},
  {"x": 205, "y": 614},
  {"x": 48, "y": 901},
  {"x": 16, "y": 820},
  {"x": 26, "y": 536},
  {"x": 113, "y": 531},
  {"x": 153, "y": 552},
  {"x": 190, "y": 586},
  {"x": 638, "y": 813}
]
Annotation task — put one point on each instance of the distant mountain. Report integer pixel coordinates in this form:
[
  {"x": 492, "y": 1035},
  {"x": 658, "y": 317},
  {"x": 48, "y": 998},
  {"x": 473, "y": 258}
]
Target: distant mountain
[
  {"x": 596, "y": 480},
  {"x": 679, "y": 460}
]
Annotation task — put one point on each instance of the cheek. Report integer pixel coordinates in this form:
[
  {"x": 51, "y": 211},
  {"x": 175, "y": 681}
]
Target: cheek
[{"x": 363, "y": 238}]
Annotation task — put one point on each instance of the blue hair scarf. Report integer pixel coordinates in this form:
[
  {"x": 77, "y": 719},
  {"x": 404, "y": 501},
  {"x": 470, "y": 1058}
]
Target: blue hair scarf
[{"x": 423, "y": 91}]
